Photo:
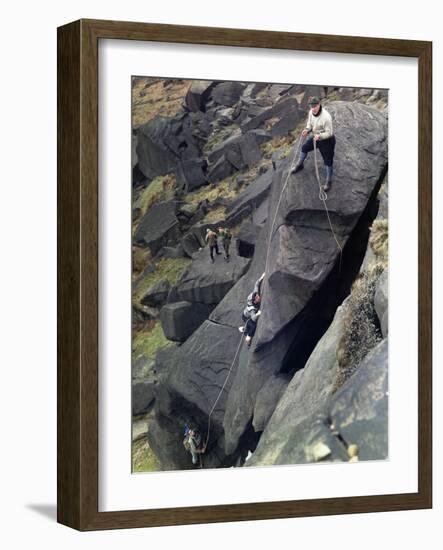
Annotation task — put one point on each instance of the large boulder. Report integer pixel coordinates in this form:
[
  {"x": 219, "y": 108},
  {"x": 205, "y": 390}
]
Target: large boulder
[
  {"x": 198, "y": 94},
  {"x": 143, "y": 396},
  {"x": 241, "y": 149},
  {"x": 246, "y": 239},
  {"x": 308, "y": 390},
  {"x": 155, "y": 155},
  {"x": 158, "y": 227},
  {"x": 222, "y": 168},
  {"x": 163, "y": 143},
  {"x": 228, "y": 93},
  {"x": 252, "y": 196},
  {"x": 286, "y": 107},
  {"x": 303, "y": 248},
  {"x": 207, "y": 282},
  {"x": 156, "y": 295},
  {"x": 179, "y": 320},
  {"x": 356, "y": 415},
  {"x": 190, "y": 174},
  {"x": 267, "y": 399},
  {"x": 194, "y": 377}
]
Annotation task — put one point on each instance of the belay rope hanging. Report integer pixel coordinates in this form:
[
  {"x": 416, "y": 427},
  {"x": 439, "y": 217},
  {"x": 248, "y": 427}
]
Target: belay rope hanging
[{"x": 323, "y": 197}]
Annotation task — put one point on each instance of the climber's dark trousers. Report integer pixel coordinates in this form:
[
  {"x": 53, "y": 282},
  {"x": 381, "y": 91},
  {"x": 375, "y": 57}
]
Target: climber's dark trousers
[
  {"x": 250, "y": 326},
  {"x": 211, "y": 250},
  {"x": 325, "y": 146}
]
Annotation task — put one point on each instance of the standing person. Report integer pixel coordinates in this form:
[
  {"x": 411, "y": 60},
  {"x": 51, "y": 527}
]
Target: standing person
[
  {"x": 211, "y": 239},
  {"x": 226, "y": 236},
  {"x": 320, "y": 124},
  {"x": 193, "y": 443}
]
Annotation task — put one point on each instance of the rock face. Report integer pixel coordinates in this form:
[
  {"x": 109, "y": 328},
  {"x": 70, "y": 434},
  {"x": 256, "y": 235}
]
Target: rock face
[
  {"x": 207, "y": 282},
  {"x": 302, "y": 250},
  {"x": 228, "y": 93},
  {"x": 142, "y": 396},
  {"x": 154, "y": 152},
  {"x": 302, "y": 289},
  {"x": 180, "y": 319},
  {"x": 251, "y": 197},
  {"x": 198, "y": 94},
  {"x": 158, "y": 227},
  {"x": 157, "y": 294},
  {"x": 203, "y": 363},
  {"x": 308, "y": 389},
  {"x": 356, "y": 415}
]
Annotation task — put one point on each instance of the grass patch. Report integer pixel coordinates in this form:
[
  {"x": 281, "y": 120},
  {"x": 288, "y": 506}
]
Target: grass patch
[
  {"x": 379, "y": 240},
  {"x": 146, "y": 343},
  {"x": 211, "y": 193},
  {"x": 151, "y": 98},
  {"x": 166, "y": 268},
  {"x": 219, "y": 136},
  {"x": 140, "y": 258},
  {"x": 162, "y": 188},
  {"x": 143, "y": 458},
  {"x": 215, "y": 214},
  {"x": 361, "y": 330}
]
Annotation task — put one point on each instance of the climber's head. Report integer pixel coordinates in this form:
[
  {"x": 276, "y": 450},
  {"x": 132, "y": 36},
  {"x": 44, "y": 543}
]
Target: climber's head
[{"x": 314, "y": 103}]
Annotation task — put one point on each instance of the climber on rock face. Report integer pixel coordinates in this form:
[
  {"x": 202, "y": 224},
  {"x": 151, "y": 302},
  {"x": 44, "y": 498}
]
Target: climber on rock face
[
  {"x": 211, "y": 239},
  {"x": 320, "y": 124},
  {"x": 252, "y": 312},
  {"x": 193, "y": 443}
]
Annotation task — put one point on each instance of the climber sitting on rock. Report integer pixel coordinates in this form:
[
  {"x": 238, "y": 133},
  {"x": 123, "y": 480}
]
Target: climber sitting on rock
[
  {"x": 320, "y": 124},
  {"x": 211, "y": 239},
  {"x": 252, "y": 312},
  {"x": 193, "y": 443}
]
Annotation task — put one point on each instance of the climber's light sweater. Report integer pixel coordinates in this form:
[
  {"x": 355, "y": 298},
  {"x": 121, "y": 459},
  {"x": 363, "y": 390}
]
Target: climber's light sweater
[{"x": 320, "y": 124}]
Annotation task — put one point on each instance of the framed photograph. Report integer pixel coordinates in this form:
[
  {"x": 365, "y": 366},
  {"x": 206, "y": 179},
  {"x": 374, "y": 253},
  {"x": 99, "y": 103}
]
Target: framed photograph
[{"x": 238, "y": 211}]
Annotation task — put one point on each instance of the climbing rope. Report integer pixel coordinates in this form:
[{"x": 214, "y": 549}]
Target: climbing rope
[
  {"x": 271, "y": 233},
  {"x": 222, "y": 389},
  {"x": 323, "y": 197}
]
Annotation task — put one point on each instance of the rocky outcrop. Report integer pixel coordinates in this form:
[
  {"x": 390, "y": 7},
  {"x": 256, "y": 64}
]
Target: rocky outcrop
[
  {"x": 308, "y": 390},
  {"x": 285, "y": 108},
  {"x": 227, "y": 93},
  {"x": 251, "y": 198},
  {"x": 191, "y": 174},
  {"x": 198, "y": 94},
  {"x": 302, "y": 290},
  {"x": 357, "y": 415},
  {"x": 207, "y": 283},
  {"x": 158, "y": 227},
  {"x": 143, "y": 395},
  {"x": 180, "y": 319},
  {"x": 157, "y": 294}
]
